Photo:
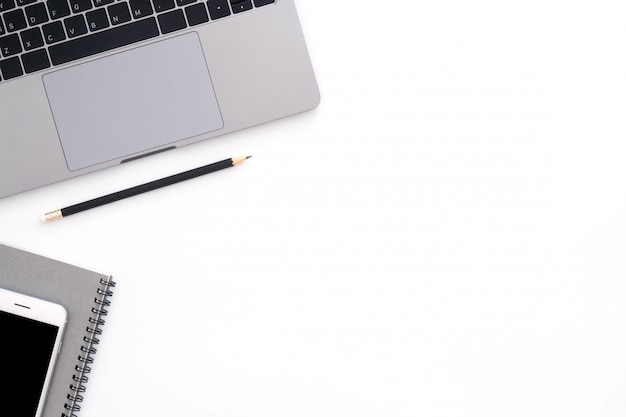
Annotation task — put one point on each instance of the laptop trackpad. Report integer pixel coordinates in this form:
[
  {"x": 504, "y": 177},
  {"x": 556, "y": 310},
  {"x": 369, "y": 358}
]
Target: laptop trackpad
[{"x": 133, "y": 101}]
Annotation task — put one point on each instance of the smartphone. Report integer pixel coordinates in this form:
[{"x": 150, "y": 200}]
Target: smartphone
[{"x": 30, "y": 340}]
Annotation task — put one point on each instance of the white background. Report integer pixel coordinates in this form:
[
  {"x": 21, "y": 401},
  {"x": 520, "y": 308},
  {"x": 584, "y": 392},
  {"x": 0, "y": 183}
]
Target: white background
[{"x": 443, "y": 236}]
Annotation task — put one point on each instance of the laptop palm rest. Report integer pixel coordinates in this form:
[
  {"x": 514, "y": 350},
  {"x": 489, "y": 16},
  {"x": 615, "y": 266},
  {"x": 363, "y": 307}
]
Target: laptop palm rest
[{"x": 133, "y": 102}]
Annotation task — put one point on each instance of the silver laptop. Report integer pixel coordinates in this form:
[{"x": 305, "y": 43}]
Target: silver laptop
[{"x": 89, "y": 84}]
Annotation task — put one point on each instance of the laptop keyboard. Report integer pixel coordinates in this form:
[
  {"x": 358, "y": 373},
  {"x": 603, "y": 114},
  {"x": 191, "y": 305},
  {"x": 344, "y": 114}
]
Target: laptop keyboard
[{"x": 35, "y": 35}]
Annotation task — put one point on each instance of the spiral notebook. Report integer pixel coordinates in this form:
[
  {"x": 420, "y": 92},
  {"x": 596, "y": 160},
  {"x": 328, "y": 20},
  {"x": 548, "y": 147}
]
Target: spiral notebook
[{"x": 85, "y": 294}]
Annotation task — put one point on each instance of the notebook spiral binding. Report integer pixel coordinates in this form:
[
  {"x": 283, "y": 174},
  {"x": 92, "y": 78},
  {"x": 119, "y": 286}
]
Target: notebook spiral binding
[{"x": 87, "y": 350}]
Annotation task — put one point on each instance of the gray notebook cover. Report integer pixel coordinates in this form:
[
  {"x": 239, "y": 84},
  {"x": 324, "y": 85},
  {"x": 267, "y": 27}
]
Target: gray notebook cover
[{"x": 84, "y": 294}]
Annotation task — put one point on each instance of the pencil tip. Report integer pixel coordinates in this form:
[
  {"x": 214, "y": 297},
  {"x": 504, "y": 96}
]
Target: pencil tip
[
  {"x": 240, "y": 159},
  {"x": 248, "y": 157}
]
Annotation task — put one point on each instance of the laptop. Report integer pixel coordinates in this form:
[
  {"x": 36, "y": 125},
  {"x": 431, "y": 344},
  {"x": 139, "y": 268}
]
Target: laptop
[{"x": 89, "y": 84}]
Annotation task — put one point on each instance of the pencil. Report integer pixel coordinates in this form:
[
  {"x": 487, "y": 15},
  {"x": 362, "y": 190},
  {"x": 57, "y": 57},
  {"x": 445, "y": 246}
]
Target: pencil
[{"x": 143, "y": 188}]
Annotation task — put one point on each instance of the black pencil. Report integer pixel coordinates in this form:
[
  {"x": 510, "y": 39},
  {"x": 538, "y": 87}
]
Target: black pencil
[{"x": 139, "y": 189}]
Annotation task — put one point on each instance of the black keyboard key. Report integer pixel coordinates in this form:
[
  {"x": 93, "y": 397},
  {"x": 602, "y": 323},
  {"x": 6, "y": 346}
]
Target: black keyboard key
[
  {"x": 31, "y": 39},
  {"x": 78, "y": 6},
  {"x": 53, "y": 32},
  {"x": 99, "y": 3},
  {"x": 14, "y": 20},
  {"x": 140, "y": 8},
  {"x": 6, "y": 5},
  {"x": 259, "y": 3},
  {"x": 10, "y": 45},
  {"x": 163, "y": 5},
  {"x": 218, "y": 8},
  {"x": 103, "y": 41},
  {"x": 97, "y": 20},
  {"x": 241, "y": 6},
  {"x": 24, "y": 2},
  {"x": 181, "y": 3},
  {"x": 119, "y": 13},
  {"x": 196, "y": 14},
  {"x": 75, "y": 26},
  {"x": 58, "y": 9},
  {"x": 172, "y": 21},
  {"x": 35, "y": 61},
  {"x": 11, "y": 68},
  {"x": 36, "y": 14},
  {"x": 2, "y": 31}
]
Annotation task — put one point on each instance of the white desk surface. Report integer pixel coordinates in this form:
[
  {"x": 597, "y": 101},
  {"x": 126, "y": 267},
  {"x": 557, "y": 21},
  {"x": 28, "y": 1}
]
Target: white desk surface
[{"x": 443, "y": 236}]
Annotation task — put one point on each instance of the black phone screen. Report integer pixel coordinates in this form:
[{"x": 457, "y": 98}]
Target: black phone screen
[{"x": 26, "y": 347}]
